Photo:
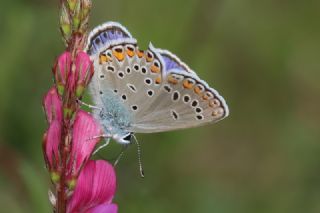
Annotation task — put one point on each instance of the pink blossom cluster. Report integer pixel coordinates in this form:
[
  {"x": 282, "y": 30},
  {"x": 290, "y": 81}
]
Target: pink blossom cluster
[{"x": 68, "y": 143}]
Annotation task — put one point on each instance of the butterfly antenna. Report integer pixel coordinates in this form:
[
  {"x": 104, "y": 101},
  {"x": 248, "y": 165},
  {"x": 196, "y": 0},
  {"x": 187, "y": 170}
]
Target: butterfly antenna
[{"x": 139, "y": 156}]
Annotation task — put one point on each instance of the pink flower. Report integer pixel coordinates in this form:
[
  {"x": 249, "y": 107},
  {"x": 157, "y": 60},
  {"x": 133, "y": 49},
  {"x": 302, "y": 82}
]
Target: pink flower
[
  {"x": 52, "y": 105},
  {"x": 84, "y": 129},
  {"x": 51, "y": 139},
  {"x": 61, "y": 70},
  {"x": 85, "y": 72},
  {"x": 94, "y": 190}
]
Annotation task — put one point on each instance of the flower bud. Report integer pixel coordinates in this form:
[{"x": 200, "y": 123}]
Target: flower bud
[
  {"x": 52, "y": 105},
  {"x": 84, "y": 68},
  {"x": 51, "y": 142},
  {"x": 61, "y": 70},
  {"x": 86, "y": 7},
  {"x": 72, "y": 4},
  {"x": 65, "y": 23}
]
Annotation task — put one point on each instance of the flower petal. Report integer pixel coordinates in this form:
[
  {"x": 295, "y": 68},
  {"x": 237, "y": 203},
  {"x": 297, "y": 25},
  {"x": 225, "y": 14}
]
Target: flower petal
[
  {"x": 64, "y": 65},
  {"x": 84, "y": 129},
  {"x": 83, "y": 66},
  {"x": 95, "y": 188},
  {"x": 105, "y": 208},
  {"x": 85, "y": 71},
  {"x": 51, "y": 143},
  {"x": 52, "y": 105}
]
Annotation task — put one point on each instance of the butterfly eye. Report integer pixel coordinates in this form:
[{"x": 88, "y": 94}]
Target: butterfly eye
[{"x": 127, "y": 138}]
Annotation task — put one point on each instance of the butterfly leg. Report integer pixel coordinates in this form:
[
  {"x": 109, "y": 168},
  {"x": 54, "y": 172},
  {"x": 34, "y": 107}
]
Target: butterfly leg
[
  {"x": 103, "y": 145},
  {"x": 89, "y": 105},
  {"x": 125, "y": 147}
]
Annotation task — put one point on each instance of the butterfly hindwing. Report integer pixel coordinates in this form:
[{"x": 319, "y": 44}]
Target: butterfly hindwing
[{"x": 183, "y": 101}]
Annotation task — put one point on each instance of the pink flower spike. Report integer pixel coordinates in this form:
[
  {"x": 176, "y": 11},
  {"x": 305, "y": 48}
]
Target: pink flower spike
[
  {"x": 84, "y": 129},
  {"x": 95, "y": 189},
  {"x": 51, "y": 145},
  {"x": 52, "y": 105},
  {"x": 85, "y": 71},
  {"x": 61, "y": 70}
]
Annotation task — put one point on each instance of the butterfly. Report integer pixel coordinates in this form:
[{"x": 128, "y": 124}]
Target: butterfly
[{"x": 145, "y": 91}]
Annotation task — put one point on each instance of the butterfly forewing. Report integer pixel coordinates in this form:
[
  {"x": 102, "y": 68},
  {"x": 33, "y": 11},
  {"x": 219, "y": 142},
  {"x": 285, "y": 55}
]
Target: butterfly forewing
[{"x": 160, "y": 92}]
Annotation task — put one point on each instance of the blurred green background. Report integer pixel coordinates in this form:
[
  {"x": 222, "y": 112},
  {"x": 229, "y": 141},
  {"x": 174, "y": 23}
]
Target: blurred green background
[{"x": 262, "y": 56}]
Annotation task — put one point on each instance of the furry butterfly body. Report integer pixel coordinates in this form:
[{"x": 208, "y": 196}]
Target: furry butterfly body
[{"x": 138, "y": 91}]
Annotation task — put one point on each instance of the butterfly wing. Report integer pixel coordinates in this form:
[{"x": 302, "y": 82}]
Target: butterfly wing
[
  {"x": 154, "y": 86},
  {"x": 122, "y": 70},
  {"x": 183, "y": 100}
]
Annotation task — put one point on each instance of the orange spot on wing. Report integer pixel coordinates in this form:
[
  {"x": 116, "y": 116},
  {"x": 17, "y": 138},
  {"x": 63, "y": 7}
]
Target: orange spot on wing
[
  {"x": 197, "y": 90},
  {"x": 140, "y": 53},
  {"x": 149, "y": 56},
  {"x": 214, "y": 103},
  {"x": 187, "y": 84},
  {"x": 172, "y": 80},
  {"x": 103, "y": 58},
  {"x": 118, "y": 55},
  {"x": 130, "y": 53},
  {"x": 155, "y": 69},
  {"x": 158, "y": 80}
]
